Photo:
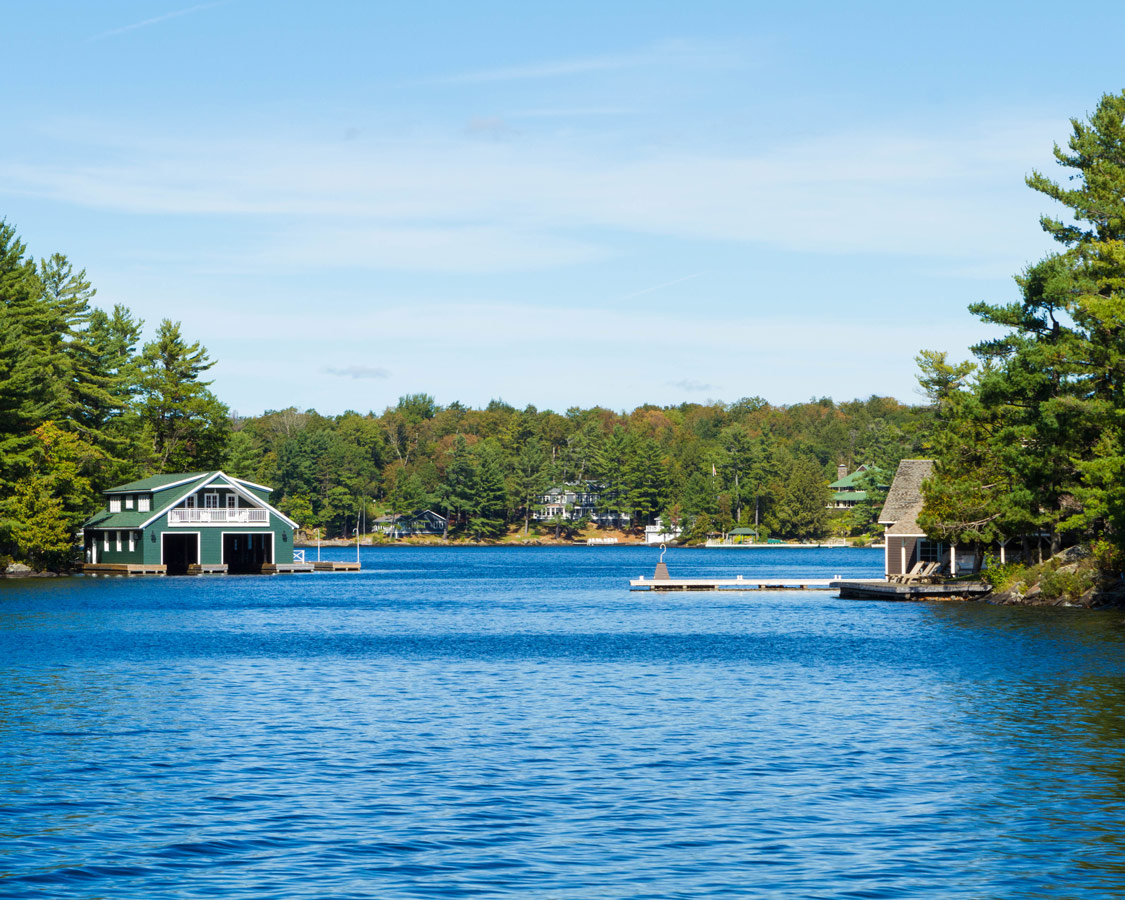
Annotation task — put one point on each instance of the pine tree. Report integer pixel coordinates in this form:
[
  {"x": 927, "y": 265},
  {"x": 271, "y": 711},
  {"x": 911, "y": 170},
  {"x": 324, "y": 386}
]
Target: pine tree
[
  {"x": 489, "y": 503},
  {"x": 530, "y": 479},
  {"x": 187, "y": 424},
  {"x": 802, "y": 511},
  {"x": 459, "y": 488},
  {"x": 645, "y": 477}
]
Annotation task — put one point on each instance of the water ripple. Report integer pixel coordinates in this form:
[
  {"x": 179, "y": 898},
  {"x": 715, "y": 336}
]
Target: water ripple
[{"x": 497, "y": 724}]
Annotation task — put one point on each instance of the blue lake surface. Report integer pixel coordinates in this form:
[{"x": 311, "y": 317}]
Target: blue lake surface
[{"x": 494, "y": 722}]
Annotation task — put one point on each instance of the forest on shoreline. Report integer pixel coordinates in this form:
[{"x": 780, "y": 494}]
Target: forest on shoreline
[
  {"x": 85, "y": 405},
  {"x": 1029, "y": 435}
]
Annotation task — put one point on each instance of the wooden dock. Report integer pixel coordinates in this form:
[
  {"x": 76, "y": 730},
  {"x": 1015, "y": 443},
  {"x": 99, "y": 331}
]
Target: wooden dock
[
  {"x": 207, "y": 569},
  {"x": 286, "y": 568},
  {"x": 120, "y": 569},
  {"x": 860, "y": 589},
  {"x": 738, "y": 583},
  {"x": 293, "y": 568},
  {"x": 335, "y": 566}
]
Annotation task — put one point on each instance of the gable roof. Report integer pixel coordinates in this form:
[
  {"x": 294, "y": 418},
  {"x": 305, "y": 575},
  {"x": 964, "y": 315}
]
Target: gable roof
[
  {"x": 168, "y": 491},
  {"x": 849, "y": 481},
  {"x": 904, "y": 499}
]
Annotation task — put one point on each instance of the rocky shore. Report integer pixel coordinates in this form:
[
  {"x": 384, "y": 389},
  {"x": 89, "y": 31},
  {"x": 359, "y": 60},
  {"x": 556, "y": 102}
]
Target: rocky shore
[{"x": 1069, "y": 579}]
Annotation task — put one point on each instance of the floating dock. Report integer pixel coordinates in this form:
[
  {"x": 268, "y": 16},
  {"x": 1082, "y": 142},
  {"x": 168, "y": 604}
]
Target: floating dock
[
  {"x": 335, "y": 566},
  {"x": 738, "y": 583}
]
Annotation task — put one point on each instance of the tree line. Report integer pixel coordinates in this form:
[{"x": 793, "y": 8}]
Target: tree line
[
  {"x": 705, "y": 467},
  {"x": 86, "y": 404}
]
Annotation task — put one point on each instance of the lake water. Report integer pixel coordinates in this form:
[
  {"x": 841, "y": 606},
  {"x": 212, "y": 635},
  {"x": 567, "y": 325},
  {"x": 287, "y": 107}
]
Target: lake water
[{"x": 515, "y": 723}]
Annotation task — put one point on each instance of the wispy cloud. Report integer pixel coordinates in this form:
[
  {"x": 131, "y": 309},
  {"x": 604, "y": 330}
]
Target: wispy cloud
[
  {"x": 690, "y": 384},
  {"x": 572, "y": 112},
  {"x": 155, "y": 20},
  {"x": 657, "y": 287},
  {"x": 357, "y": 371},
  {"x": 657, "y": 55},
  {"x": 488, "y": 206}
]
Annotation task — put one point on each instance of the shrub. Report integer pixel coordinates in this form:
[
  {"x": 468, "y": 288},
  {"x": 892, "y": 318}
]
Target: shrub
[
  {"x": 1005, "y": 577},
  {"x": 1069, "y": 584}
]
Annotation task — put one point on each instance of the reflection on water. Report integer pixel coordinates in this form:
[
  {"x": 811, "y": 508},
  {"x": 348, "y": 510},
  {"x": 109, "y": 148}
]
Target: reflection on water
[{"x": 493, "y": 722}]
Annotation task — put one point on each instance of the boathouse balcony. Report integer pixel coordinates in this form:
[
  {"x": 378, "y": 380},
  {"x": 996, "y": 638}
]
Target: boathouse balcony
[{"x": 219, "y": 516}]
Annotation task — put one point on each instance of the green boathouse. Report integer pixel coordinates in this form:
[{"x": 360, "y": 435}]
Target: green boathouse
[{"x": 196, "y": 521}]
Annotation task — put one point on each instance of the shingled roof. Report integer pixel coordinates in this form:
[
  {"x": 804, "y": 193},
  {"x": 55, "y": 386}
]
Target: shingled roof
[{"x": 904, "y": 499}]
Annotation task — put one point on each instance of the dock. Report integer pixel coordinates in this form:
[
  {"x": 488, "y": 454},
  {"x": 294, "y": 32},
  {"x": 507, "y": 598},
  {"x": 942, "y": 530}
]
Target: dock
[
  {"x": 738, "y": 583},
  {"x": 860, "y": 589},
  {"x": 207, "y": 569},
  {"x": 120, "y": 569},
  {"x": 335, "y": 566},
  {"x": 292, "y": 568}
]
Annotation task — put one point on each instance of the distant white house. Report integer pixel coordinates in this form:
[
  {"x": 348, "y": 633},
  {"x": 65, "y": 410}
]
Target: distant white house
[
  {"x": 658, "y": 534},
  {"x": 576, "y": 501},
  {"x": 422, "y": 521}
]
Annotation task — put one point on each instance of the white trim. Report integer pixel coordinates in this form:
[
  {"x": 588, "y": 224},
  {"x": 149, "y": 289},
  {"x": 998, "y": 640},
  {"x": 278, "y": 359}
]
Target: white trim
[
  {"x": 235, "y": 485},
  {"x": 198, "y": 544},
  {"x": 260, "y": 487},
  {"x": 179, "y": 517}
]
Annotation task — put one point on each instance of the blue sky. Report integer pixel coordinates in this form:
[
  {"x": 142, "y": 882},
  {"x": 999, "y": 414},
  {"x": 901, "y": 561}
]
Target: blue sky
[{"x": 557, "y": 204}]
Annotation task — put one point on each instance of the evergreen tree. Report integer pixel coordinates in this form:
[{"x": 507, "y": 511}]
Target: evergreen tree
[
  {"x": 645, "y": 477},
  {"x": 187, "y": 424},
  {"x": 459, "y": 488},
  {"x": 1042, "y": 423},
  {"x": 530, "y": 479},
  {"x": 489, "y": 502},
  {"x": 802, "y": 511}
]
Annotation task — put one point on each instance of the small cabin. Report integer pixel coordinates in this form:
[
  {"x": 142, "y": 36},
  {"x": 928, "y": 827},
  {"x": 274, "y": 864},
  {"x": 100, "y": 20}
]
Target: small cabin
[
  {"x": 908, "y": 549},
  {"x": 188, "y": 521}
]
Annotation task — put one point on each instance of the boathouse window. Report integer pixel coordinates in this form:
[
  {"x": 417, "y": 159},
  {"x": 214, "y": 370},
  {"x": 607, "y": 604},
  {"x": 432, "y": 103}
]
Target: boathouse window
[
  {"x": 132, "y": 543},
  {"x": 144, "y": 504},
  {"x": 118, "y": 541},
  {"x": 129, "y": 502},
  {"x": 232, "y": 501},
  {"x": 929, "y": 551},
  {"x": 115, "y": 504},
  {"x": 105, "y": 540},
  {"x": 211, "y": 501},
  {"x": 189, "y": 501}
]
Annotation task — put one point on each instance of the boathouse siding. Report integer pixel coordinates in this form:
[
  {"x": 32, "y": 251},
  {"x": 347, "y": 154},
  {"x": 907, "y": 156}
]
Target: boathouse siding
[{"x": 205, "y": 518}]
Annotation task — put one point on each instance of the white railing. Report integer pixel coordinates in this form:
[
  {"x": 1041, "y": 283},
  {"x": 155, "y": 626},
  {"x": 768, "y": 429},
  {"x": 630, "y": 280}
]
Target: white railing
[{"x": 220, "y": 516}]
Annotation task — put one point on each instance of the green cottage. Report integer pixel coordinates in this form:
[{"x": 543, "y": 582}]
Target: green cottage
[{"x": 202, "y": 520}]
